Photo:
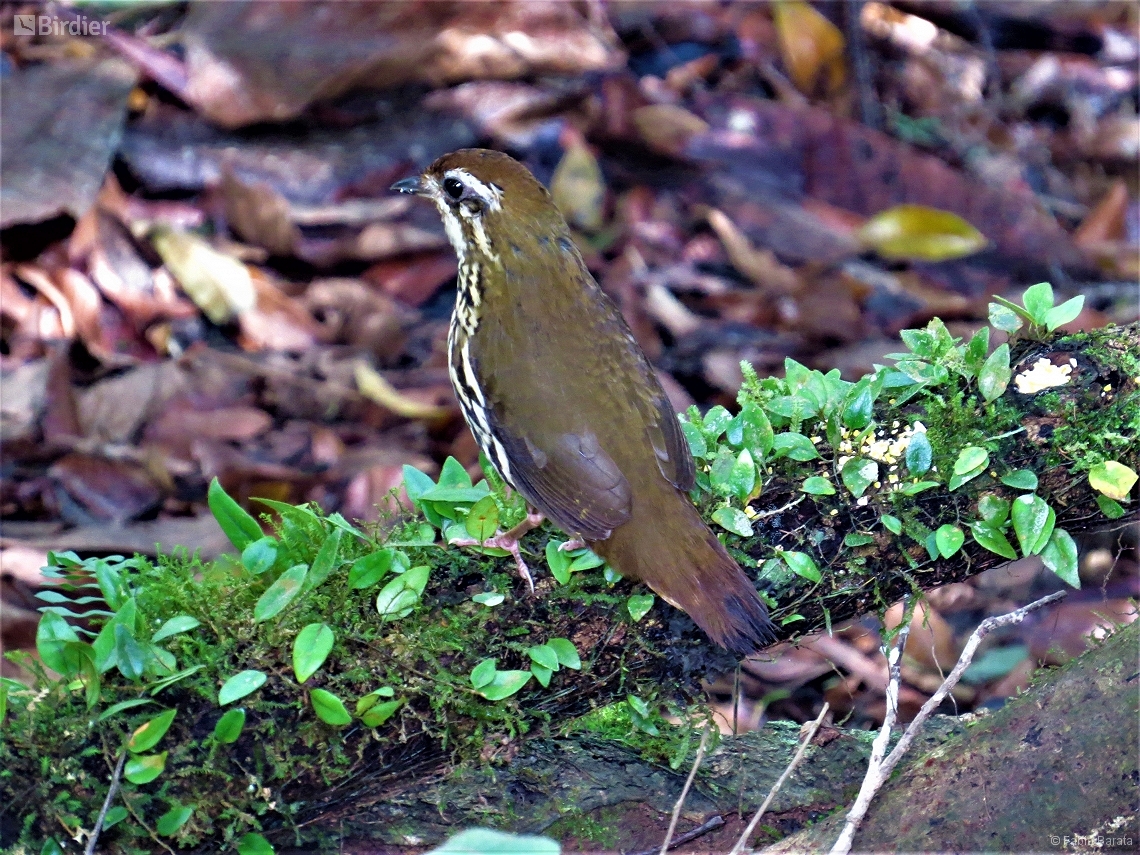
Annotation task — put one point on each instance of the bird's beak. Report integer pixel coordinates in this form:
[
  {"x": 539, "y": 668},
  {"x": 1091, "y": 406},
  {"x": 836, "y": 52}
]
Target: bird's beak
[{"x": 409, "y": 185}]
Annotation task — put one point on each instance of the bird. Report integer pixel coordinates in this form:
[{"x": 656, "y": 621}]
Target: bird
[{"x": 564, "y": 403}]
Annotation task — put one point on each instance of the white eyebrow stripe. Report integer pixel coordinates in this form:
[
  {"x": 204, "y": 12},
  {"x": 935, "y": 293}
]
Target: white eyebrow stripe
[{"x": 491, "y": 194}]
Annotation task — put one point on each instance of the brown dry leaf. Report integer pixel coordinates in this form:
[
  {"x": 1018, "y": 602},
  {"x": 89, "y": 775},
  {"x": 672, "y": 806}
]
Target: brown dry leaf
[
  {"x": 276, "y": 321},
  {"x": 111, "y": 490},
  {"x": 667, "y": 128},
  {"x": 920, "y": 233},
  {"x": 578, "y": 187},
  {"x": 349, "y": 312},
  {"x": 259, "y": 214},
  {"x": 220, "y": 285},
  {"x": 761, "y": 266},
  {"x": 244, "y": 65},
  {"x": 62, "y": 124},
  {"x": 812, "y": 47},
  {"x": 413, "y": 281},
  {"x": 1106, "y": 221},
  {"x": 375, "y": 388}
]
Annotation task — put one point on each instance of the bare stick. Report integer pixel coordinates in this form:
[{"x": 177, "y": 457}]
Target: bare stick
[
  {"x": 685, "y": 791},
  {"x": 878, "y": 772},
  {"x": 705, "y": 827},
  {"x": 112, "y": 791},
  {"x": 742, "y": 842}
]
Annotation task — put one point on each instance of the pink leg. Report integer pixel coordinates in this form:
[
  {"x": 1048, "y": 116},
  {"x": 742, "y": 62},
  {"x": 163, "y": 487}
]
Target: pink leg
[{"x": 509, "y": 541}]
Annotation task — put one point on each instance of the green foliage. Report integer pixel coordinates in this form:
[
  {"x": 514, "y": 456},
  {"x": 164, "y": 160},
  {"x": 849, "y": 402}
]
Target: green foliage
[{"x": 1037, "y": 310}]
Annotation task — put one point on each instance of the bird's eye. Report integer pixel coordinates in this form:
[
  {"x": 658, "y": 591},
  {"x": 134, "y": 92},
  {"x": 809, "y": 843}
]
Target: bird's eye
[{"x": 453, "y": 187}]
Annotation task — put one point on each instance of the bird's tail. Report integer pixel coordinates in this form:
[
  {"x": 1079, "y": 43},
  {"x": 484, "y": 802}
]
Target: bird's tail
[{"x": 676, "y": 554}]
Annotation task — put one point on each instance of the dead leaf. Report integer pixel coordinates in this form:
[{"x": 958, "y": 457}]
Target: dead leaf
[
  {"x": 760, "y": 266},
  {"x": 667, "y": 128},
  {"x": 259, "y": 214},
  {"x": 111, "y": 490},
  {"x": 919, "y": 233},
  {"x": 220, "y": 286},
  {"x": 812, "y": 47},
  {"x": 578, "y": 187},
  {"x": 375, "y": 388}
]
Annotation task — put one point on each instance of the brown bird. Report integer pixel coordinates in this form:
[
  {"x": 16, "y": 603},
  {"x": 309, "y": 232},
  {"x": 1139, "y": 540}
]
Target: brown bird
[{"x": 565, "y": 404}]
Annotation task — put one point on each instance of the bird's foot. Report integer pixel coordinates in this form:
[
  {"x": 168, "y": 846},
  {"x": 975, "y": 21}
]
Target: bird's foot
[
  {"x": 509, "y": 540},
  {"x": 572, "y": 544}
]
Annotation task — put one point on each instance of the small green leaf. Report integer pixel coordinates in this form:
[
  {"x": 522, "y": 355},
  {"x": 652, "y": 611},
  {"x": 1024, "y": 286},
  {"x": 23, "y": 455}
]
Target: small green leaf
[
  {"x": 794, "y": 445},
  {"x": 169, "y": 823},
  {"x": 233, "y": 519},
  {"x": 716, "y": 421},
  {"x": 857, "y": 413},
  {"x": 260, "y": 555},
  {"x": 1038, "y": 300},
  {"x": 175, "y": 626},
  {"x": 1020, "y": 479},
  {"x": 817, "y": 486},
  {"x": 696, "y": 439},
  {"x": 52, "y": 634},
  {"x": 541, "y": 673},
  {"x": 585, "y": 559},
  {"x": 544, "y": 655},
  {"x": 917, "y": 487},
  {"x": 229, "y": 726},
  {"x": 51, "y": 846},
  {"x": 1060, "y": 315},
  {"x": 638, "y": 605},
  {"x": 369, "y": 569},
  {"x": 397, "y": 598},
  {"x": 994, "y": 510},
  {"x": 1113, "y": 479},
  {"x": 891, "y": 523},
  {"x": 453, "y": 474},
  {"x": 992, "y": 539},
  {"x": 918, "y": 453},
  {"x": 254, "y": 844},
  {"x": 975, "y": 353},
  {"x": 559, "y": 561},
  {"x": 638, "y": 705},
  {"x": 144, "y": 768},
  {"x": 855, "y": 539},
  {"x": 970, "y": 458},
  {"x": 483, "y": 519},
  {"x": 734, "y": 520},
  {"x": 114, "y": 816},
  {"x": 1005, "y": 319},
  {"x": 1030, "y": 515},
  {"x": 115, "y": 709},
  {"x": 504, "y": 684},
  {"x": 147, "y": 735},
  {"x": 282, "y": 592},
  {"x": 484, "y": 841},
  {"x": 1060, "y": 556},
  {"x": 310, "y": 649},
  {"x": 130, "y": 655},
  {"x": 416, "y": 483},
  {"x": 757, "y": 435},
  {"x": 742, "y": 479},
  {"x": 949, "y": 539},
  {"x": 1110, "y": 507},
  {"x": 240, "y": 685},
  {"x": 376, "y": 715},
  {"x": 325, "y": 561},
  {"x": 489, "y": 598},
  {"x": 802, "y": 564},
  {"x": 566, "y": 652},
  {"x": 329, "y": 708},
  {"x": 994, "y": 376},
  {"x": 483, "y": 673},
  {"x": 858, "y": 474}
]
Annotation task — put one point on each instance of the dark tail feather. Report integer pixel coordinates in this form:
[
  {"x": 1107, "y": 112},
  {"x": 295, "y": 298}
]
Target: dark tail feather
[{"x": 677, "y": 556}]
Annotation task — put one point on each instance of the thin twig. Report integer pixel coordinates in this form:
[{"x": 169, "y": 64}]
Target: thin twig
[
  {"x": 743, "y": 841},
  {"x": 685, "y": 791},
  {"x": 112, "y": 791},
  {"x": 711, "y": 824},
  {"x": 878, "y": 772}
]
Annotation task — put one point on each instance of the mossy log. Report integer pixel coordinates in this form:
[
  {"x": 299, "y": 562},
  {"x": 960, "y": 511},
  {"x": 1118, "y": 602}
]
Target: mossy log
[
  {"x": 291, "y": 770},
  {"x": 1016, "y": 780}
]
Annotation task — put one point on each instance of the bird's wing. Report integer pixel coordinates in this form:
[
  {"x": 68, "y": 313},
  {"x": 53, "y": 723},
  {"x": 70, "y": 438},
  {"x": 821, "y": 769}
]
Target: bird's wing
[
  {"x": 568, "y": 477},
  {"x": 674, "y": 458}
]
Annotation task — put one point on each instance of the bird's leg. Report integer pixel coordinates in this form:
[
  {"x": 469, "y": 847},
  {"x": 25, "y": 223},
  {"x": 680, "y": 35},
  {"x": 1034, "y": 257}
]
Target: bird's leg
[
  {"x": 509, "y": 540},
  {"x": 572, "y": 544}
]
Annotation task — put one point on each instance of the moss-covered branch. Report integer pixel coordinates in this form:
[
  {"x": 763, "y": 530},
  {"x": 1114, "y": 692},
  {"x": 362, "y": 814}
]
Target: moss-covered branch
[{"x": 407, "y": 691}]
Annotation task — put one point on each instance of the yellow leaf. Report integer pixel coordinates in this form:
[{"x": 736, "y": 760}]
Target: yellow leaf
[
  {"x": 667, "y": 128},
  {"x": 219, "y": 285},
  {"x": 918, "y": 233},
  {"x": 1113, "y": 479},
  {"x": 810, "y": 45},
  {"x": 375, "y": 388},
  {"x": 578, "y": 188}
]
